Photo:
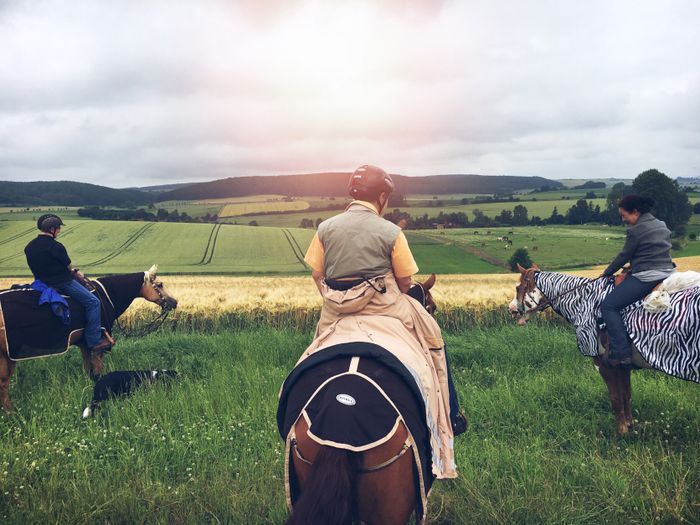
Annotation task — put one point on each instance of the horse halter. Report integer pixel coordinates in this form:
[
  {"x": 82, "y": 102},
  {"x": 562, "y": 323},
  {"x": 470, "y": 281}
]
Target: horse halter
[
  {"x": 162, "y": 300},
  {"x": 529, "y": 287}
]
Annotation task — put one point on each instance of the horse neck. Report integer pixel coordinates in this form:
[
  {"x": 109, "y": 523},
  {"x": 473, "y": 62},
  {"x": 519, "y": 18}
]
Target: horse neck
[
  {"x": 122, "y": 289},
  {"x": 553, "y": 284}
]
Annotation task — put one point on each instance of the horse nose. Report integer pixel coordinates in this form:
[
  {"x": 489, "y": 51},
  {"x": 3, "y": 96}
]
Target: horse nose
[
  {"x": 513, "y": 306},
  {"x": 173, "y": 303}
]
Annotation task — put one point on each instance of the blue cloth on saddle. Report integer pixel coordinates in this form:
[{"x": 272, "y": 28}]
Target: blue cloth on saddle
[{"x": 58, "y": 303}]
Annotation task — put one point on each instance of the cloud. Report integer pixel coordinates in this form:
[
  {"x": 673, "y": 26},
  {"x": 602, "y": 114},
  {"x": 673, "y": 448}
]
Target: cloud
[{"x": 140, "y": 93}]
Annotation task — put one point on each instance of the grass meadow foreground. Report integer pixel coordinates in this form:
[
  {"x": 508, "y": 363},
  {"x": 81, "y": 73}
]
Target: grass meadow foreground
[{"x": 541, "y": 447}]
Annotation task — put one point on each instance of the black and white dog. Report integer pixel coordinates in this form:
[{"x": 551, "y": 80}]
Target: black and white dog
[{"x": 121, "y": 383}]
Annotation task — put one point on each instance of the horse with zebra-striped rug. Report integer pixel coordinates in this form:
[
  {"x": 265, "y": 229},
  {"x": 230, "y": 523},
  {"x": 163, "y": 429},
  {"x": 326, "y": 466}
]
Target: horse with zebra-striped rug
[{"x": 668, "y": 341}]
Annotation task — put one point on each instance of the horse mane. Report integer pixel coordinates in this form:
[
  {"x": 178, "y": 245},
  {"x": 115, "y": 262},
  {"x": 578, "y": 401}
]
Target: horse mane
[{"x": 122, "y": 289}]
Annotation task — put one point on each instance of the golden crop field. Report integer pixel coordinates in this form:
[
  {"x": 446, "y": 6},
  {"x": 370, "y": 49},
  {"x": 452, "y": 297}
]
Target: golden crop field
[
  {"x": 213, "y": 302},
  {"x": 244, "y": 208}
]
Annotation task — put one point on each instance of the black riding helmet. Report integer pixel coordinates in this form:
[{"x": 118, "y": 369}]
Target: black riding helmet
[
  {"x": 367, "y": 182},
  {"x": 48, "y": 222}
]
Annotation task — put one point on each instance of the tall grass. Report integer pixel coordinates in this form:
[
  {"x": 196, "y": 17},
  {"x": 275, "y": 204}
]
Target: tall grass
[{"x": 204, "y": 449}]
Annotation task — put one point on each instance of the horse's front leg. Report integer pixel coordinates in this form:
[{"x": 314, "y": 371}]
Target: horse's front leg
[
  {"x": 613, "y": 382},
  {"x": 7, "y": 367}
]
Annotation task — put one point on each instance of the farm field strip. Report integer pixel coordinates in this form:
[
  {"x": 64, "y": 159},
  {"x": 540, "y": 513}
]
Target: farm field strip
[
  {"x": 131, "y": 240},
  {"x": 207, "y": 302},
  {"x": 294, "y": 246},
  {"x": 214, "y": 230},
  {"x": 248, "y": 208},
  {"x": 23, "y": 233}
]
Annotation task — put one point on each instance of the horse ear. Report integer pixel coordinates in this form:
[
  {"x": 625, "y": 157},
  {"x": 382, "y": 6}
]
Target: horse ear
[
  {"x": 520, "y": 268},
  {"x": 535, "y": 266},
  {"x": 429, "y": 283},
  {"x": 153, "y": 271}
]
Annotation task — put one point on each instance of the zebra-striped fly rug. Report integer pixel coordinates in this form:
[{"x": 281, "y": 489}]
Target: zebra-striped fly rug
[{"x": 669, "y": 341}]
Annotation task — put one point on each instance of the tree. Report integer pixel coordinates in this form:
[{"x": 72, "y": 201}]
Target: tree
[
  {"x": 611, "y": 214},
  {"x": 556, "y": 217},
  {"x": 671, "y": 204},
  {"x": 591, "y": 195},
  {"x": 520, "y": 216},
  {"x": 520, "y": 257},
  {"x": 696, "y": 208},
  {"x": 505, "y": 217},
  {"x": 579, "y": 213},
  {"x": 307, "y": 223}
]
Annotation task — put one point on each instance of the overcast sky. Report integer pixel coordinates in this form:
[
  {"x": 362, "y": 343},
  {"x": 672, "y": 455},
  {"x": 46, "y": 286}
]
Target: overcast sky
[{"x": 135, "y": 93}]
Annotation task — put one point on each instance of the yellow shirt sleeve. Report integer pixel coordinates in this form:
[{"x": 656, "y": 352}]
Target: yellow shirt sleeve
[
  {"x": 402, "y": 260},
  {"x": 314, "y": 255}
]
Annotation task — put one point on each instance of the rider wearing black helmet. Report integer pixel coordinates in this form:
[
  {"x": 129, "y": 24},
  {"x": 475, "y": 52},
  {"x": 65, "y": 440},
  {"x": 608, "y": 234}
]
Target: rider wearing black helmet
[{"x": 49, "y": 262}]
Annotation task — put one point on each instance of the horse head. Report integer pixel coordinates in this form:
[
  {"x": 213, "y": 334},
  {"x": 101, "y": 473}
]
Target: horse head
[
  {"x": 154, "y": 290},
  {"x": 527, "y": 296},
  {"x": 421, "y": 293}
]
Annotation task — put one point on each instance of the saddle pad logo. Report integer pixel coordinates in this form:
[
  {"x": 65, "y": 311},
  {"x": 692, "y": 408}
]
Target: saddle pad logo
[{"x": 345, "y": 399}]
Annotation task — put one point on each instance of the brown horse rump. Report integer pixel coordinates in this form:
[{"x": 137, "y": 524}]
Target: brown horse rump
[
  {"x": 353, "y": 396},
  {"x": 33, "y": 331}
]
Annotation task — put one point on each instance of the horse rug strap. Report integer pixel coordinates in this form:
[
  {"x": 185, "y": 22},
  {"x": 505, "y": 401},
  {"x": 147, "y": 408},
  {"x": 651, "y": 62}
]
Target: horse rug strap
[{"x": 349, "y": 412}]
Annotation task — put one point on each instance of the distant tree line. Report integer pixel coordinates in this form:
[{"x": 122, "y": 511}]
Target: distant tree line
[{"x": 139, "y": 214}]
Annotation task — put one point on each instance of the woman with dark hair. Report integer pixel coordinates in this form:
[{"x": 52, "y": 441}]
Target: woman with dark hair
[{"x": 648, "y": 248}]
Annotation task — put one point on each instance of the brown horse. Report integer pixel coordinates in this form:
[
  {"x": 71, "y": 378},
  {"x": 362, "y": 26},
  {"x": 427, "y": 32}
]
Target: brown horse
[
  {"x": 120, "y": 291},
  {"x": 529, "y": 299},
  {"x": 376, "y": 485}
]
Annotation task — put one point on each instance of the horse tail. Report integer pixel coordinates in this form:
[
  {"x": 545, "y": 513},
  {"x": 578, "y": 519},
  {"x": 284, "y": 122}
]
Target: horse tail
[{"x": 329, "y": 492}]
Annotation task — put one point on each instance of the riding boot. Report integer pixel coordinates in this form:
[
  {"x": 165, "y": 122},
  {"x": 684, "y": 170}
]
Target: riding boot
[{"x": 105, "y": 345}]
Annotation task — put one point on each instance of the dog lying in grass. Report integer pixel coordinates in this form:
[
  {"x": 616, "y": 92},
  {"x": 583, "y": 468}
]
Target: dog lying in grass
[{"x": 121, "y": 384}]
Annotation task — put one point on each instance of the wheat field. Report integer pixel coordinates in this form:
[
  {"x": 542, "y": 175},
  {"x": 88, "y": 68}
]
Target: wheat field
[{"x": 221, "y": 302}]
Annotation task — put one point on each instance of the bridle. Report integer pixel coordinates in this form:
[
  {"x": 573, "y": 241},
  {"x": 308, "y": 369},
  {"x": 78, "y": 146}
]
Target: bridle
[
  {"x": 547, "y": 302},
  {"x": 155, "y": 323}
]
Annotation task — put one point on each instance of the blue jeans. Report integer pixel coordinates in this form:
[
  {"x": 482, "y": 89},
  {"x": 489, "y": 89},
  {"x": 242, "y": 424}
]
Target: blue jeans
[
  {"x": 91, "y": 304},
  {"x": 629, "y": 291}
]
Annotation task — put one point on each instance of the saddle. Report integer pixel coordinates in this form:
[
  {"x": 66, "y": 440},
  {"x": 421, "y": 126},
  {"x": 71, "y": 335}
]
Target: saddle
[{"x": 29, "y": 330}]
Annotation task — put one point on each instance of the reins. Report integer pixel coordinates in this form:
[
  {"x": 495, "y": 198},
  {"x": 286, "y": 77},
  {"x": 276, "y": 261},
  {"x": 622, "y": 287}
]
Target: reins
[{"x": 151, "y": 327}]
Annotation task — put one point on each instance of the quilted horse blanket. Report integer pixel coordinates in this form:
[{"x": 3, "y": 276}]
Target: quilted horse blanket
[
  {"x": 369, "y": 391},
  {"x": 669, "y": 340},
  {"x": 32, "y": 331}
]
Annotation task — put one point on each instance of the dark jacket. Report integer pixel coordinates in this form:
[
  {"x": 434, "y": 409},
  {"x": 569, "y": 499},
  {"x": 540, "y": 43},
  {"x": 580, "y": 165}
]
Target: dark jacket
[
  {"x": 48, "y": 260},
  {"x": 647, "y": 247}
]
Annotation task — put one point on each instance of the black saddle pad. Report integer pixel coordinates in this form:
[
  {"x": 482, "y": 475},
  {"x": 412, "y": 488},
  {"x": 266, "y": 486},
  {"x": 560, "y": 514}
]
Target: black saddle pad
[{"x": 350, "y": 412}]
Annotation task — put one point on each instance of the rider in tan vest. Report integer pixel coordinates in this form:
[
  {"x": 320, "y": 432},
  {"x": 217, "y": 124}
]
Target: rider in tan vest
[{"x": 359, "y": 246}]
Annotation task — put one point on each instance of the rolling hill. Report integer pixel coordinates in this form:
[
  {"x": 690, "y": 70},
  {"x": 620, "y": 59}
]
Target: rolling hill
[
  {"x": 334, "y": 184},
  {"x": 67, "y": 193}
]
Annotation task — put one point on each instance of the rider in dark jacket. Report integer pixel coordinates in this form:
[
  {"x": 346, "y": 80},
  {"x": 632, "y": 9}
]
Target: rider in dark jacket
[
  {"x": 49, "y": 262},
  {"x": 648, "y": 248}
]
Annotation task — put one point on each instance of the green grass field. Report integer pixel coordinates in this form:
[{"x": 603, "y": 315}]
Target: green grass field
[
  {"x": 541, "y": 447},
  {"x": 102, "y": 247},
  {"x": 552, "y": 247}
]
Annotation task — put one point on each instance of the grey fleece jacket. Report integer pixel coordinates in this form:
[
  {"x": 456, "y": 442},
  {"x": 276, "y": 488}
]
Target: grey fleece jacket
[{"x": 647, "y": 247}]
